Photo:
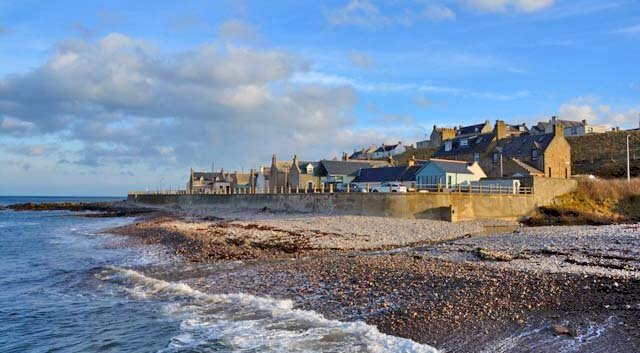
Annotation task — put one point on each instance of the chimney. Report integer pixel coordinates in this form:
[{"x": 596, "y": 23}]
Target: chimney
[
  {"x": 500, "y": 130},
  {"x": 554, "y": 119},
  {"x": 273, "y": 160},
  {"x": 391, "y": 161},
  {"x": 558, "y": 129},
  {"x": 295, "y": 159},
  {"x": 412, "y": 161},
  {"x": 584, "y": 121},
  {"x": 344, "y": 156}
]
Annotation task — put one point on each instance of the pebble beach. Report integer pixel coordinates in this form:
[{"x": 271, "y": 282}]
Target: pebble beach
[{"x": 460, "y": 287}]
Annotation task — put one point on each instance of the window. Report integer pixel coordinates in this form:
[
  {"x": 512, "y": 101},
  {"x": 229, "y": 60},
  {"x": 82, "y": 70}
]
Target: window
[
  {"x": 476, "y": 157},
  {"x": 309, "y": 169},
  {"x": 449, "y": 182},
  {"x": 534, "y": 154},
  {"x": 448, "y": 146},
  {"x": 496, "y": 157},
  {"x": 549, "y": 172},
  {"x": 464, "y": 143},
  {"x": 574, "y": 131}
]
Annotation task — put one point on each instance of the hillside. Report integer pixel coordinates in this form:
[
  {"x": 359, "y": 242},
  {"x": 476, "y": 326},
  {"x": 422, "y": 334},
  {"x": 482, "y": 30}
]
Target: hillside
[
  {"x": 605, "y": 154},
  {"x": 598, "y": 201}
]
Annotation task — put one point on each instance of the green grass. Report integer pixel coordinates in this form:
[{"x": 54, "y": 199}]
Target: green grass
[{"x": 600, "y": 201}]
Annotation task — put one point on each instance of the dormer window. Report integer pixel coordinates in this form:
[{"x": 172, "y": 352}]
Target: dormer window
[
  {"x": 309, "y": 169},
  {"x": 535, "y": 154},
  {"x": 448, "y": 146},
  {"x": 464, "y": 143}
]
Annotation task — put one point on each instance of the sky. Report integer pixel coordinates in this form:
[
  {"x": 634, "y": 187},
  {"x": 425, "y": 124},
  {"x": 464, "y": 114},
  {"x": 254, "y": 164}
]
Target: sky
[{"x": 102, "y": 97}]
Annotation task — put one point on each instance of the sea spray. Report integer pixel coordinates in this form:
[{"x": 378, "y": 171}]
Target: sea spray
[{"x": 243, "y": 322}]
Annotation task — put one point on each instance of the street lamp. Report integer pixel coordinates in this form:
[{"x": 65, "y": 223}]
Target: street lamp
[{"x": 628, "y": 165}]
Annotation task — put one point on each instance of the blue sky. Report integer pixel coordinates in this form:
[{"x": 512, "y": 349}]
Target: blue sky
[{"x": 105, "y": 96}]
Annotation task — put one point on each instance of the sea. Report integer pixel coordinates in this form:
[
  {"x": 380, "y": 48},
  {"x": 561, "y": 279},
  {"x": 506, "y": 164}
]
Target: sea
[{"x": 66, "y": 286}]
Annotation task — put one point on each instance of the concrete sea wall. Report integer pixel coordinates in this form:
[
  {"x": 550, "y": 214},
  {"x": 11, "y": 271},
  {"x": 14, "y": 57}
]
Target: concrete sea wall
[{"x": 446, "y": 206}]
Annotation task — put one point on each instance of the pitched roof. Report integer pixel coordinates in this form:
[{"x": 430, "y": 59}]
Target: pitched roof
[
  {"x": 471, "y": 129},
  {"x": 387, "y": 148},
  {"x": 348, "y": 167},
  {"x": 378, "y": 175},
  {"x": 302, "y": 166},
  {"x": 449, "y": 166},
  {"x": 475, "y": 144},
  {"x": 522, "y": 145},
  {"x": 281, "y": 165}
]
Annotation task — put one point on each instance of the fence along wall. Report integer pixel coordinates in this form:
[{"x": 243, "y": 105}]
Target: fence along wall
[{"x": 451, "y": 206}]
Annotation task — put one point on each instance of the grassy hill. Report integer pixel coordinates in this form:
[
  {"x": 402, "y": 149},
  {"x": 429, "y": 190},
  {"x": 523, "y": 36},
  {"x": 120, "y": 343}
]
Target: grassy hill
[{"x": 598, "y": 201}]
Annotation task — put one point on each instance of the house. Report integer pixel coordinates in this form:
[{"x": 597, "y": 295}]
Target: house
[
  {"x": 386, "y": 151},
  {"x": 364, "y": 153},
  {"x": 499, "y": 154},
  {"x": 448, "y": 173},
  {"x": 438, "y": 135},
  {"x": 305, "y": 174},
  {"x": 344, "y": 171},
  {"x": 474, "y": 129},
  {"x": 210, "y": 183},
  {"x": 571, "y": 128},
  {"x": 279, "y": 174},
  {"x": 406, "y": 175}
]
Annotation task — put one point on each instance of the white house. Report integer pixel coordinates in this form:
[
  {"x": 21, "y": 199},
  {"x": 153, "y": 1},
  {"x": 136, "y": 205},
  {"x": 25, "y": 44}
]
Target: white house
[
  {"x": 570, "y": 127},
  {"x": 386, "y": 151},
  {"x": 448, "y": 173}
]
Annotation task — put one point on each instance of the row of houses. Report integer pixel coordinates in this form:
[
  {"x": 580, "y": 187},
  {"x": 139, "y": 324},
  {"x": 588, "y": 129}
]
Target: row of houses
[
  {"x": 570, "y": 128},
  {"x": 475, "y": 152}
]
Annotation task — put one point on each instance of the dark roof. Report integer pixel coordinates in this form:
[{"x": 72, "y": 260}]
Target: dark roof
[
  {"x": 517, "y": 127},
  {"x": 347, "y": 167},
  {"x": 379, "y": 175},
  {"x": 570, "y": 123},
  {"x": 522, "y": 145},
  {"x": 208, "y": 176},
  {"x": 471, "y": 129},
  {"x": 449, "y": 166},
  {"x": 475, "y": 144},
  {"x": 387, "y": 148},
  {"x": 303, "y": 166}
]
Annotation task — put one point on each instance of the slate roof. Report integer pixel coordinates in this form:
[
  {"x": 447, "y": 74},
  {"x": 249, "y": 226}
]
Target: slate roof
[
  {"x": 522, "y": 145},
  {"x": 208, "y": 176},
  {"x": 476, "y": 144},
  {"x": 449, "y": 166},
  {"x": 379, "y": 175},
  {"x": 348, "y": 167},
  {"x": 387, "y": 148},
  {"x": 471, "y": 129},
  {"x": 302, "y": 166}
]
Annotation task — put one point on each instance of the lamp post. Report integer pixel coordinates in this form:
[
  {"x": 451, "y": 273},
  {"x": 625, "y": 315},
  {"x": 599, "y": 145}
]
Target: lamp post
[{"x": 628, "y": 164}]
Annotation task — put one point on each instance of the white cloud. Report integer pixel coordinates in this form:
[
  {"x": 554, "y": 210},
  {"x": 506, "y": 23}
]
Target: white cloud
[
  {"x": 527, "y": 6},
  {"x": 121, "y": 101},
  {"x": 367, "y": 14},
  {"x": 438, "y": 12},
  {"x": 591, "y": 110}
]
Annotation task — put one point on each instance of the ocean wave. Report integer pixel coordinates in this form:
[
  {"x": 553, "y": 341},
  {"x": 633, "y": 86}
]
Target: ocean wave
[{"x": 244, "y": 322}]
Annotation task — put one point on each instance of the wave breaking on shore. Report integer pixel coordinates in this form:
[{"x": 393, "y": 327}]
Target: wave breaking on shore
[{"x": 244, "y": 322}]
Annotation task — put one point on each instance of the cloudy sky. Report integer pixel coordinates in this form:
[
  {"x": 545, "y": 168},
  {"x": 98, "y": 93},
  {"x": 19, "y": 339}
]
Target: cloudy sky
[{"x": 100, "y": 97}]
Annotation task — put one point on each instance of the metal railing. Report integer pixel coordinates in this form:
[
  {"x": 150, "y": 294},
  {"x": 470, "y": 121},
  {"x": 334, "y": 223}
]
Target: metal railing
[{"x": 419, "y": 188}]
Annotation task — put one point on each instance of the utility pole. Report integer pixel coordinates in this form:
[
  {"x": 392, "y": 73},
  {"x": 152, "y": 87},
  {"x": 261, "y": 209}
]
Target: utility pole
[{"x": 628, "y": 165}]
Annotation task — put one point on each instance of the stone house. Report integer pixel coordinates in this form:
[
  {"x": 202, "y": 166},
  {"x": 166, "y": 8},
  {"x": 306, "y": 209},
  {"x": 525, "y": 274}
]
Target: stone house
[
  {"x": 305, "y": 174},
  {"x": 500, "y": 154},
  {"x": 448, "y": 173},
  {"x": 438, "y": 135},
  {"x": 571, "y": 128},
  {"x": 364, "y": 153},
  {"x": 385, "y": 151},
  {"x": 209, "y": 182},
  {"x": 279, "y": 174}
]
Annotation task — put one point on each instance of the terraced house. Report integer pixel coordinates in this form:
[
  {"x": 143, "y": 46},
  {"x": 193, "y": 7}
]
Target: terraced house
[{"x": 500, "y": 154}]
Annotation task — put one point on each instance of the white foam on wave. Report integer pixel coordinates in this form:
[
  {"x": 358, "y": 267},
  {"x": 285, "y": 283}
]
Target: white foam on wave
[{"x": 243, "y": 322}]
